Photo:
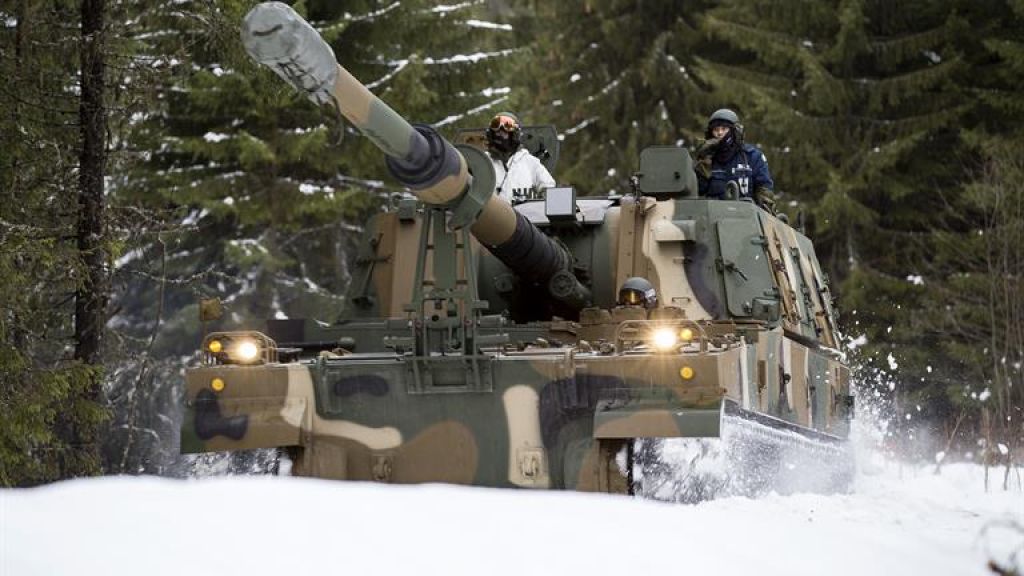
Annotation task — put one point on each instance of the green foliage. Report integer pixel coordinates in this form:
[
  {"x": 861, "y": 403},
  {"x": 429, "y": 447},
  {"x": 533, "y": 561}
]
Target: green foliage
[
  {"x": 845, "y": 98},
  {"x": 264, "y": 173},
  {"x": 613, "y": 80},
  {"x": 43, "y": 397},
  {"x": 992, "y": 46},
  {"x": 50, "y": 413},
  {"x": 979, "y": 301},
  {"x": 39, "y": 408}
]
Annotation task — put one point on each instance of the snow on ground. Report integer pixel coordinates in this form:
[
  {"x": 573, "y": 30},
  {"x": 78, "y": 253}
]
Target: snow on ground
[{"x": 899, "y": 520}]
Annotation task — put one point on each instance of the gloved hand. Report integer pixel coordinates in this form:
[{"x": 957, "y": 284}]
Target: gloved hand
[
  {"x": 704, "y": 153},
  {"x": 765, "y": 198},
  {"x": 707, "y": 148},
  {"x": 703, "y": 167}
]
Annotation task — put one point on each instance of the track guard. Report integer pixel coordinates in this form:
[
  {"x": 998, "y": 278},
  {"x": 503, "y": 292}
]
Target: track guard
[{"x": 642, "y": 418}]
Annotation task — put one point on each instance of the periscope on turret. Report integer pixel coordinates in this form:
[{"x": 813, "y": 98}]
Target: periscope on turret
[{"x": 488, "y": 345}]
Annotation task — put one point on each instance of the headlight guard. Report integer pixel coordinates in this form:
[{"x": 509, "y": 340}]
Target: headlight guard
[{"x": 246, "y": 348}]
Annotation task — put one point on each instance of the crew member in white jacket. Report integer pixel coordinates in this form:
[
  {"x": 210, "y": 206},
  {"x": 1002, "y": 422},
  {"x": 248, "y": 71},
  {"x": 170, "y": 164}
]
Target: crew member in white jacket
[{"x": 518, "y": 173}]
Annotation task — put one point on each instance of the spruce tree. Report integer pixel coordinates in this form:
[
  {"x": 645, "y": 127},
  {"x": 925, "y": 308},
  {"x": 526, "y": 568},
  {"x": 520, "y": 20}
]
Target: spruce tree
[
  {"x": 49, "y": 405},
  {"x": 613, "y": 79},
  {"x": 977, "y": 300},
  {"x": 974, "y": 293},
  {"x": 992, "y": 45},
  {"x": 856, "y": 105}
]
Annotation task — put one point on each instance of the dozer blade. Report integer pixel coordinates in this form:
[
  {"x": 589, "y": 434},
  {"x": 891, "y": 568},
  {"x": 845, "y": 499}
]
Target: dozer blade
[{"x": 755, "y": 455}]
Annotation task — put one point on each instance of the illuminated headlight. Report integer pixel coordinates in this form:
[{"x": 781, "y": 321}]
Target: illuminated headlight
[
  {"x": 245, "y": 351},
  {"x": 248, "y": 347},
  {"x": 664, "y": 339},
  {"x": 686, "y": 334}
]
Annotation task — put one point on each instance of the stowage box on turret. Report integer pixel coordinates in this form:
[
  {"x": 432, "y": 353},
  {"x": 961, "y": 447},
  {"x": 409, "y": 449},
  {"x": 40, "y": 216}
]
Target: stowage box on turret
[{"x": 538, "y": 346}]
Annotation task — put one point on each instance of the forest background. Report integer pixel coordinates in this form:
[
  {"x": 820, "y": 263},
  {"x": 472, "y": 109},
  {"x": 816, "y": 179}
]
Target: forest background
[{"x": 146, "y": 163}]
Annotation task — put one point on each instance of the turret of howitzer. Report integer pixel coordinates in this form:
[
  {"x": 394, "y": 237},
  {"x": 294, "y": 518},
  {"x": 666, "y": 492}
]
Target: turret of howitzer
[{"x": 439, "y": 174}]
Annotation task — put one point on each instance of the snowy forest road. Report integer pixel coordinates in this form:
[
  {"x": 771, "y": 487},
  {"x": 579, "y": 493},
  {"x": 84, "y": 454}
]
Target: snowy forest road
[{"x": 900, "y": 520}]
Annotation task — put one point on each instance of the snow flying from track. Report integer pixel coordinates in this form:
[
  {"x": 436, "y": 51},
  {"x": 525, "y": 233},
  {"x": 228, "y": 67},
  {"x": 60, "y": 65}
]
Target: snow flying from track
[{"x": 899, "y": 520}]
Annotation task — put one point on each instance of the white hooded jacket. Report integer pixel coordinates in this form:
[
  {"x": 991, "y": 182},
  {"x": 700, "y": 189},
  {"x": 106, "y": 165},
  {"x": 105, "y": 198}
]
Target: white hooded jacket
[{"x": 525, "y": 172}]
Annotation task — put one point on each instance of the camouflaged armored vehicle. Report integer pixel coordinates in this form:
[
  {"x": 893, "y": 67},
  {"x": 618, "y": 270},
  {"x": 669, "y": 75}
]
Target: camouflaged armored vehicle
[{"x": 488, "y": 345}]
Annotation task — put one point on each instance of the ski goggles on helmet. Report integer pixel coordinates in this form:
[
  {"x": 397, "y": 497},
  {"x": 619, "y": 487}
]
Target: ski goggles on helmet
[{"x": 503, "y": 122}]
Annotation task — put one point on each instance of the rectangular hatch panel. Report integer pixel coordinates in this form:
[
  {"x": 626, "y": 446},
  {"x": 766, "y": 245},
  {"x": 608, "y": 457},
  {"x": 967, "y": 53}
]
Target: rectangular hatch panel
[{"x": 743, "y": 265}]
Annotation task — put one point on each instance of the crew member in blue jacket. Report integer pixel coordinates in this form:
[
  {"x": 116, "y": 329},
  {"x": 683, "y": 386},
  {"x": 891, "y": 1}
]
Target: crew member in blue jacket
[{"x": 724, "y": 157}]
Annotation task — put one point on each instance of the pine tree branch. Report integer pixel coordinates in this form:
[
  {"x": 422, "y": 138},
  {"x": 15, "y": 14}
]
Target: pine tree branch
[
  {"x": 894, "y": 90},
  {"x": 773, "y": 83},
  {"x": 775, "y": 48},
  {"x": 893, "y": 51}
]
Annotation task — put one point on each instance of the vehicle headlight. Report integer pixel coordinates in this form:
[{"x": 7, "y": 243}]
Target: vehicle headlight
[
  {"x": 245, "y": 351},
  {"x": 243, "y": 347},
  {"x": 664, "y": 339},
  {"x": 686, "y": 334}
]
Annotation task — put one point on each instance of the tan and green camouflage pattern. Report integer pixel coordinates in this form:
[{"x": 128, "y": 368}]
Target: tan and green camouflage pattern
[
  {"x": 548, "y": 417},
  {"x": 531, "y": 400}
]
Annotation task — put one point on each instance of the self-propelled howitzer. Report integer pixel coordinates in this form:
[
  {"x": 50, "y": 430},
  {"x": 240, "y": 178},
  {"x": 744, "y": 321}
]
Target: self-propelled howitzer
[{"x": 490, "y": 345}]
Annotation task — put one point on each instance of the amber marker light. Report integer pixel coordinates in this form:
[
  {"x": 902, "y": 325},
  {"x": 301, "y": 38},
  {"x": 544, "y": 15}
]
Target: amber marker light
[
  {"x": 686, "y": 373},
  {"x": 686, "y": 334},
  {"x": 217, "y": 384},
  {"x": 215, "y": 346},
  {"x": 664, "y": 339}
]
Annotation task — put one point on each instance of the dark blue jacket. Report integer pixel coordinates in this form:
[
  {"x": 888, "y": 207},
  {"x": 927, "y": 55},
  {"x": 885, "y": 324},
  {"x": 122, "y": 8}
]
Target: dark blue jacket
[{"x": 748, "y": 168}]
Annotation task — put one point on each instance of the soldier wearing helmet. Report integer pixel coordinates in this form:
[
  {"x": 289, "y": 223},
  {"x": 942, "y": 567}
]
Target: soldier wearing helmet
[
  {"x": 638, "y": 291},
  {"x": 724, "y": 158},
  {"x": 517, "y": 172}
]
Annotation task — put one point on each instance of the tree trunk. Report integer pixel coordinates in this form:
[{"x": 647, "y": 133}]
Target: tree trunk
[{"x": 91, "y": 295}]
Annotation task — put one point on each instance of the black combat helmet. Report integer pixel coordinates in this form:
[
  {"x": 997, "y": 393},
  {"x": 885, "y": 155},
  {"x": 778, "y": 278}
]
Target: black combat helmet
[
  {"x": 638, "y": 291},
  {"x": 503, "y": 132},
  {"x": 723, "y": 116}
]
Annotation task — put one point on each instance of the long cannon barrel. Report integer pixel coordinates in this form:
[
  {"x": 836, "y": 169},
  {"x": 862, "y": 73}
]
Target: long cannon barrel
[
  {"x": 417, "y": 156},
  {"x": 276, "y": 36}
]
